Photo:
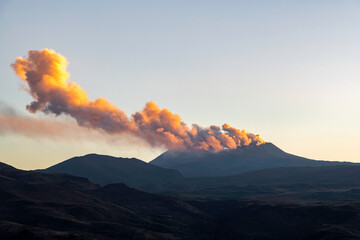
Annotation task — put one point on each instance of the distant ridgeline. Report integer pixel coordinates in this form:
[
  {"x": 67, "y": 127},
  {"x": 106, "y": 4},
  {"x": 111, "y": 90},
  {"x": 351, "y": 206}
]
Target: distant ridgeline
[{"x": 172, "y": 169}]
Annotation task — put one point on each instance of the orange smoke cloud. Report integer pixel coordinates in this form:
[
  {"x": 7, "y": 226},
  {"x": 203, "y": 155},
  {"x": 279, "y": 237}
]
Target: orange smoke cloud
[{"x": 45, "y": 73}]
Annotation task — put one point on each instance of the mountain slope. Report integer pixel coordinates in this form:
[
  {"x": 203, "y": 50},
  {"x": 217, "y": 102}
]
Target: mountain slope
[
  {"x": 101, "y": 169},
  {"x": 35, "y": 206},
  {"x": 60, "y": 180},
  {"x": 231, "y": 162},
  {"x": 339, "y": 183}
]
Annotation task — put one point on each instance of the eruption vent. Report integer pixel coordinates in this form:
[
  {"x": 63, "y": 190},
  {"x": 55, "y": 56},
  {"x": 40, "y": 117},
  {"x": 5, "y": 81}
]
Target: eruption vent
[{"x": 45, "y": 73}]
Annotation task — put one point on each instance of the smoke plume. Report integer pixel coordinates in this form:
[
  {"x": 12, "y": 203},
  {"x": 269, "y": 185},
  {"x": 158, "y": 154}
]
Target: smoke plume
[
  {"x": 61, "y": 129},
  {"x": 45, "y": 73}
]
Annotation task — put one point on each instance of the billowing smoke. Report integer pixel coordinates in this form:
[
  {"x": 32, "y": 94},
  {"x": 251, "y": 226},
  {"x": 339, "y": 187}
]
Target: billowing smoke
[{"x": 45, "y": 73}]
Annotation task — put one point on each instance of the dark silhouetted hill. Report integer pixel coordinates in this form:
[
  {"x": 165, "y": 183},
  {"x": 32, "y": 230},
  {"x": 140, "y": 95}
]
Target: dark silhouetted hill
[
  {"x": 101, "y": 169},
  {"x": 39, "y": 206},
  {"x": 61, "y": 180},
  {"x": 234, "y": 161}
]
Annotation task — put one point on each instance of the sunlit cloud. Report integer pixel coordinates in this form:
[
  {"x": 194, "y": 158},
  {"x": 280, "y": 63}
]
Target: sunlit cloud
[{"x": 45, "y": 73}]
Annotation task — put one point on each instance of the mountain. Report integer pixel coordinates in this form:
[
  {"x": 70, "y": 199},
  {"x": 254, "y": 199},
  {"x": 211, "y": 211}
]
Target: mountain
[
  {"x": 234, "y": 161},
  {"x": 39, "y": 206},
  {"x": 102, "y": 169}
]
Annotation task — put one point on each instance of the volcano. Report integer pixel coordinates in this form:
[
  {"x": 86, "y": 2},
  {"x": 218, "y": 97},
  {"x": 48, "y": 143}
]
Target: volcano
[{"x": 234, "y": 161}]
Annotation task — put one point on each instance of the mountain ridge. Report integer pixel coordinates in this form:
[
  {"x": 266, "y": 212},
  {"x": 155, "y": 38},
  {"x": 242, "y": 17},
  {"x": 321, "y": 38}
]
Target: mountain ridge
[{"x": 104, "y": 169}]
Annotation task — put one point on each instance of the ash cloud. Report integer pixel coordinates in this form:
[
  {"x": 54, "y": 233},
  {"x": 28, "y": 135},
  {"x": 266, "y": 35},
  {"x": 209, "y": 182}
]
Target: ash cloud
[
  {"x": 56, "y": 129},
  {"x": 45, "y": 73}
]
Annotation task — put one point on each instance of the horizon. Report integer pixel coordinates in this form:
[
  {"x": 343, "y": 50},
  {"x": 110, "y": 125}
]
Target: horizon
[
  {"x": 175, "y": 151},
  {"x": 286, "y": 71}
]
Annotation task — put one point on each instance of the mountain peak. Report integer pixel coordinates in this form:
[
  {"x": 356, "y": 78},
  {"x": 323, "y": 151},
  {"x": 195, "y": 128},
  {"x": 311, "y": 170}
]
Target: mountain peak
[
  {"x": 97, "y": 156},
  {"x": 233, "y": 161}
]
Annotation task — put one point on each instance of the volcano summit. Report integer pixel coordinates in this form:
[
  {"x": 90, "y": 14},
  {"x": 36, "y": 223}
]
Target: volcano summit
[{"x": 234, "y": 161}]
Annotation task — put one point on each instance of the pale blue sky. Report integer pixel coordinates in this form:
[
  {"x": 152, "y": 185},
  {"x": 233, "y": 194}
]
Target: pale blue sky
[{"x": 287, "y": 70}]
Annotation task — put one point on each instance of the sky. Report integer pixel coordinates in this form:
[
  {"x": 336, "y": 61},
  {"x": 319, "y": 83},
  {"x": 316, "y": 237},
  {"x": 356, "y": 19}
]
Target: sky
[{"x": 287, "y": 70}]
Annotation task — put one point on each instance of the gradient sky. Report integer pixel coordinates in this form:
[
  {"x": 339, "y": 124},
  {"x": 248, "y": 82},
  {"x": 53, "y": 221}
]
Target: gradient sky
[{"x": 287, "y": 70}]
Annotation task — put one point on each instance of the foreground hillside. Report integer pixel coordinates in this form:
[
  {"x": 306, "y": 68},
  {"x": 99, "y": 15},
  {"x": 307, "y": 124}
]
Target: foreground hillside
[{"x": 58, "y": 206}]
